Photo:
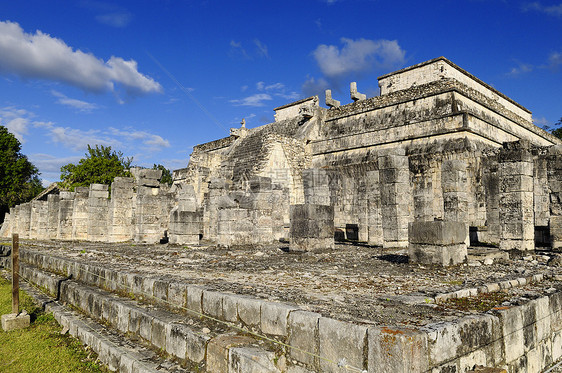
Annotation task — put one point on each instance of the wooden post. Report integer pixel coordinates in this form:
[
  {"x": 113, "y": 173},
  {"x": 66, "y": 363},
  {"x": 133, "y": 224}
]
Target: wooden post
[{"x": 15, "y": 273}]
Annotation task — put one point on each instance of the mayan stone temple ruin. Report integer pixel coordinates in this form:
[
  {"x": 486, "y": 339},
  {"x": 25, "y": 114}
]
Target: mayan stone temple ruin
[{"x": 440, "y": 172}]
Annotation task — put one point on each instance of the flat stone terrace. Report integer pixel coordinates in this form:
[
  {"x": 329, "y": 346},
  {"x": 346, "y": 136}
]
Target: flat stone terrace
[{"x": 351, "y": 283}]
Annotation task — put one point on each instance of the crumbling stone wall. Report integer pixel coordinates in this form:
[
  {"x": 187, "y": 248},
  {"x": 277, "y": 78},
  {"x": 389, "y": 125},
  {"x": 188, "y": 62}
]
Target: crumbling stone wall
[{"x": 438, "y": 144}]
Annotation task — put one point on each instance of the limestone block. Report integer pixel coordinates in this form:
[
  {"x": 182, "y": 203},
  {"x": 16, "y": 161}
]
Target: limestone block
[
  {"x": 341, "y": 340},
  {"x": 249, "y": 310},
  {"x": 212, "y": 304},
  {"x": 218, "y": 351},
  {"x": 251, "y": 360},
  {"x": 437, "y": 232},
  {"x": 98, "y": 187},
  {"x": 274, "y": 318},
  {"x": 14, "y": 321},
  {"x": 449, "y": 341},
  {"x": 230, "y": 307},
  {"x": 512, "y": 325},
  {"x": 397, "y": 350},
  {"x": 194, "y": 298},
  {"x": 141, "y": 323},
  {"x": 177, "y": 294},
  {"x": 444, "y": 255},
  {"x": 184, "y": 343},
  {"x": 302, "y": 334}
]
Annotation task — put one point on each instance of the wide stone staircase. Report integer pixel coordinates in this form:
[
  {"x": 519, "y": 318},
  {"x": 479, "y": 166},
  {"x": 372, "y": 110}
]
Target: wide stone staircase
[{"x": 145, "y": 323}]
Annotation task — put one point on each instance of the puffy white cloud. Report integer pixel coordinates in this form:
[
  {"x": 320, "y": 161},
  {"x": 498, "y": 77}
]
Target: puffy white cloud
[
  {"x": 358, "y": 56},
  {"x": 78, "y": 140},
  {"x": 152, "y": 141},
  {"x": 42, "y": 56},
  {"x": 74, "y": 103},
  {"x": 16, "y": 121}
]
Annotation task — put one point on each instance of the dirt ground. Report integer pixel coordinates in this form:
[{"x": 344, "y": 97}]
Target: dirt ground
[{"x": 351, "y": 282}]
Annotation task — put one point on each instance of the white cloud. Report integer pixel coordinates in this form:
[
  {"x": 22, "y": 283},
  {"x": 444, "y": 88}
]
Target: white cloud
[
  {"x": 253, "y": 100},
  {"x": 16, "y": 121},
  {"x": 44, "y": 57},
  {"x": 555, "y": 60},
  {"x": 262, "y": 48},
  {"x": 313, "y": 86},
  {"x": 521, "y": 68},
  {"x": 236, "y": 50},
  {"x": 74, "y": 103},
  {"x": 78, "y": 140},
  {"x": 358, "y": 56},
  {"x": 153, "y": 142},
  {"x": 275, "y": 86},
  {"x": 117, "y": 19},
  {"x": 50, "y": 166},
  {"x": 553, "y": 10}
]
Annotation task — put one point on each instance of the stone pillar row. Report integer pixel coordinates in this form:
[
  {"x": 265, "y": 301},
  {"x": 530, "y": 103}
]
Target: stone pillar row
[{"x": 138, "y": 209}]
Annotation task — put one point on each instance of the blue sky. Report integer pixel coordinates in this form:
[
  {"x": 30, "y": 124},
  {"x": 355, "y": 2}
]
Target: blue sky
[{"x": 154, "y": 78}]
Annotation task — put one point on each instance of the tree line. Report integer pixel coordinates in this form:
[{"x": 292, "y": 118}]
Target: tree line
[{"x": 20, "y": 182}]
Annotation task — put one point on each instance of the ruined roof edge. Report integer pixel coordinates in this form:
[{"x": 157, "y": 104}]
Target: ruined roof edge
[
  {"x": 295, "y": 103},
  {"x": 462, "y": 71}
]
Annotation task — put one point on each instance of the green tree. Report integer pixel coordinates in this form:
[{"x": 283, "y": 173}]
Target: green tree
[
  {"x": 19, "y": 178},
  {"x": 166, "y": 174},
  {"x": 558, "y": 131},
  {"x": 100, "y": 166}
]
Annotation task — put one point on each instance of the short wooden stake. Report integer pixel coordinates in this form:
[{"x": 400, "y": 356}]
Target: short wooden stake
[{"x": 15, "y": 273}]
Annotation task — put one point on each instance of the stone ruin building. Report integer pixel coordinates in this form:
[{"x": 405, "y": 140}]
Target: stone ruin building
[
  {"x": 440, "y": 166},
  {"x": 439, "y": 161}
]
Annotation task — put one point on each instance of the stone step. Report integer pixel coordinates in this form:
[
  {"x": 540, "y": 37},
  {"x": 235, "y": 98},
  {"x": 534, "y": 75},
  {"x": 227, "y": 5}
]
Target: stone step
[
  {"x": 114, "y": 350},
  {"x": 195, "y": 344}
]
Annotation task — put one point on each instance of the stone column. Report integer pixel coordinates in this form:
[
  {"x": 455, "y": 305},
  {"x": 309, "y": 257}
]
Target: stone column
[
  {"x": 6, "y": 228},
  {"x": 454, "y": 186},
  {"x": 185, "y": 219},
  {"x": 374, "y": 218},
  {"x": 52, "y": 216},
  {"x": 517, "y": 223},
  {"x": 555, "y": 200},
  {"x": 492, "y": 180},
  {"x": 80, "y": 214},
  {"x": 147, "y": 210},
  {"x": 316, "y": 186},
  {"x": 120, "y": 221},
  {"x": 66, "y": 215},
  {"x": 312, "y": 227},
  {"x": 218, "y": 188},
  {"x": 24, "y": 220},
  {"x": 437, "y": 242},
  {"x": 98, "y": 206},
  {"x": 34, "y": 219},
  {"x": 396, "y": 198},
  {"x": 42, "y": 219}
]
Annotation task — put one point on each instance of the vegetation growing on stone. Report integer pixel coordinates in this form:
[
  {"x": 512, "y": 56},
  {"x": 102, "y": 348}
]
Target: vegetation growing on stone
[
  {"x": 166, "y": 174},
  {"x": 100, "y": 166},
  {"x": 19, "y": 178}
]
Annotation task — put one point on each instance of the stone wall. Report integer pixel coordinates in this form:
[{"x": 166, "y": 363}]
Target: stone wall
[
  {"x": 437, "y": 144},
  {"x": 138, "y": 209}
]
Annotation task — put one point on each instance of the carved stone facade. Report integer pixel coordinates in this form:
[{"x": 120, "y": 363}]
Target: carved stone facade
[{"x": 438, "y": 144}]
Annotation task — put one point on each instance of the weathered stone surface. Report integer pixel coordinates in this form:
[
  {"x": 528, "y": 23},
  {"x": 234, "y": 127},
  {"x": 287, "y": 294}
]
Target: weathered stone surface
[{"x": 14, "y": 321}]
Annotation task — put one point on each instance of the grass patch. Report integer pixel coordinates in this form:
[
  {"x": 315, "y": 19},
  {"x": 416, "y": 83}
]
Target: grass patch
[
  {"x": 482, "y": 303},
  {"x": 40, "y": 348}
]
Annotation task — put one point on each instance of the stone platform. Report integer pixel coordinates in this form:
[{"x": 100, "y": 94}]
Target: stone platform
[{"x": 303, "y": 299}]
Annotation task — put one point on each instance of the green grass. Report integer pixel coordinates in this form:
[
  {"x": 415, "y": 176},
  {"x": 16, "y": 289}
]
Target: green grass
[{"x": 40, "y": 348}]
